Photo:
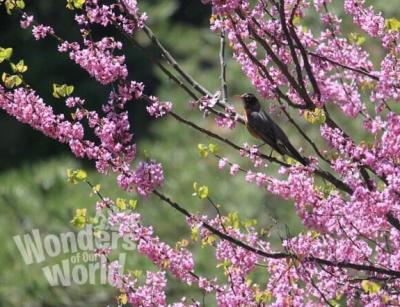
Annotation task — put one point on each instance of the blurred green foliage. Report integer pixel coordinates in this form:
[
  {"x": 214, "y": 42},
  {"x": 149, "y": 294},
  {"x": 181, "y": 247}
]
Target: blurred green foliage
[{"x": 34, "y": 193}]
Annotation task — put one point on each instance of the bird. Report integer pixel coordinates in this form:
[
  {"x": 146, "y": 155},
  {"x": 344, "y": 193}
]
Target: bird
[{"x": 261, "y": 126}]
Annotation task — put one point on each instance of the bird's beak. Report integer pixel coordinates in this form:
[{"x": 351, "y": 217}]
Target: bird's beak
[{"x": 238, "y": 97}]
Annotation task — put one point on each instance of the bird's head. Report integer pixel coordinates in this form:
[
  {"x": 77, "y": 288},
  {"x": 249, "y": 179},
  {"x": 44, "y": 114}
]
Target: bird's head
[{"x": 250, "y": 102}]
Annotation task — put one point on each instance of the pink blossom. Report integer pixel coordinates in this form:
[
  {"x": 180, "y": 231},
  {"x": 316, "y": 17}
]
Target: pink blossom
[
  {"x": 41, "y": 31},
  {"x": 222, "y": 163},
  {"x": 98, "y": 59},
  {"x": 158, "y": 109},
  {"x": 234, "y": 169},
  {"x": 26, "y": 21}
]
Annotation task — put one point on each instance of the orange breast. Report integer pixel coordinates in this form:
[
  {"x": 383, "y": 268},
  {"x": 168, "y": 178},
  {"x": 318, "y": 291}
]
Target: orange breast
[{"x": 246, "y": 120}]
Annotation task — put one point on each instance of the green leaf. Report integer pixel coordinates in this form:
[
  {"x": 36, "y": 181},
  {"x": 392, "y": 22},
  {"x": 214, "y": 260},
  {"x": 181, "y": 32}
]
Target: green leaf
[
  {"x": 62, "y": 90},
  {"x": 5, "y": 54},
  {"x": 315, "y": 117},
  {"x": 296, "y": 20},
  {"x": 11, "y": 81},
  {"x": 19, "y": 68},
  {"x": 75, "y": 4},
  {"x": 137, "y": 273},
  {"x": 315, "y": 234},
  {"x": 233, "y": 220},
  {"x": 122, "y": 299},
  {"x": 202, "y": 192},
  {"x": 392, "y": 24},
  {"x": 213, "y": 148},
  {"x": 263, "y": 297},
  {"x": 203, "y": 150},
  {"x": 356, "y": 38},
  {"x": 80, "y": 218},
  {"x": 121, "y": 204},
  {"x": 249, "y": 223},
  {"x": 209, "y": 240},
  {"x": 370, "y": 287},
  {"x": 76, "y": 176},
  {"x": 195, "y": 233},
  {"x": 132, "y": 203},
  {"x": 195, "y": 187},
  {"x": 20, "y": 4},
  {"x": 10, "y": 5}
]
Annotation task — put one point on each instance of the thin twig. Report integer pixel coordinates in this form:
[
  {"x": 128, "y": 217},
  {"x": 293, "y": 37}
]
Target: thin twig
[
  {"x": 282, "y": 66},
  {"x": 171, "y": 60},
  {"x": 224, "y": 86},
  {"x": 264, "y": 71},
  {"x": 283, "y": 255}
]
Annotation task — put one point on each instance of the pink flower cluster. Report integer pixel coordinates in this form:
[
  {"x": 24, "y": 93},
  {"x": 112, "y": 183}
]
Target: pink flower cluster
[
  {"x": 39, "y": 31},
  {"x": 125, "y": 14},
  {"x": 147, "y": 177},
  {"x": 158, "y": 109},
  {"x": 178, "y": 261},
  {"x": 150, "y": 293},
  {"x": 98, "y": 59},
  {"x": 223, "y": 7},
  {"x": 26, "y": 21}
]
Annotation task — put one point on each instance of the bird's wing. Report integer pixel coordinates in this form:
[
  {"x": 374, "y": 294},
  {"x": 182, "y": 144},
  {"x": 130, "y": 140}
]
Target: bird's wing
[
  {"x": 274, "y": 136},
  {"x": 268, "y": 130}
]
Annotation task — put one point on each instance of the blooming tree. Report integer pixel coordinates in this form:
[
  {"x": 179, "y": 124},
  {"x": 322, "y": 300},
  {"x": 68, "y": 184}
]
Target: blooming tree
[{"x": 347, "y": 194}]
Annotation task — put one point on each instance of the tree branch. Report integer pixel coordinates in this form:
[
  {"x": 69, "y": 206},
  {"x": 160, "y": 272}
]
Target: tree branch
[
  {"x": 340, "y": 264},
  {"x": 224, "y": 87}
]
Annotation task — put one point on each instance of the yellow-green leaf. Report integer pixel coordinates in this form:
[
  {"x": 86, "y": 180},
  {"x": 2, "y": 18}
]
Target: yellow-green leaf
[
  {"x": 96, "y": 188},
  {"x": 296, "y": 20},
  {"x": 75, "y": 4},
  {"x": 62, "y": 90},
  {"x": 80, "y": 218},
  {"x": 195, "y": 233},
  {"x": 137, "y": 273},
  {"x": 315, "y": 117},
  {"x": 19, "y": 68},
  {"x": 132, "y": 203},
  {"x": 370, "y": 286},
  {"x": 213, "y": 148},
  {"x": 76, "y": 176},
  {"x": 10, "y": 5},
  {"x": 5, "y": 54},
  {"x": 20, "y": 4},
  {"x": 290, "y": 161},
  {"x": 263, "y": 297},
  {"x": 232, "y": 220},
  {"x": 122, "y": 299},
  {"x": 202, "y": 192},
  {"x": 209, "y": 240},
  {"x": 392, "y": 24},
  {"x": 315, "y": 234},
  {"x": 121, "y": 204},
  {"x": 203, "y": 150},
  {"x": 11, "y": 81},
  {"x": 249, "y": 223},
  {"x": 356, "y": 38}
]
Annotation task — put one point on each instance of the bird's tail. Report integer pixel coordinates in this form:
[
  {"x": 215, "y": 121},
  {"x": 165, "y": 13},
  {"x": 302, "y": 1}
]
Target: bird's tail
[{"x": 291, "y": 151}]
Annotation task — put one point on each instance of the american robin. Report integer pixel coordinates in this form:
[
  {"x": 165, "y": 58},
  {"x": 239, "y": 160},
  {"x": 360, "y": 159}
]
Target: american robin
[{"x": 261, "y": 126}]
